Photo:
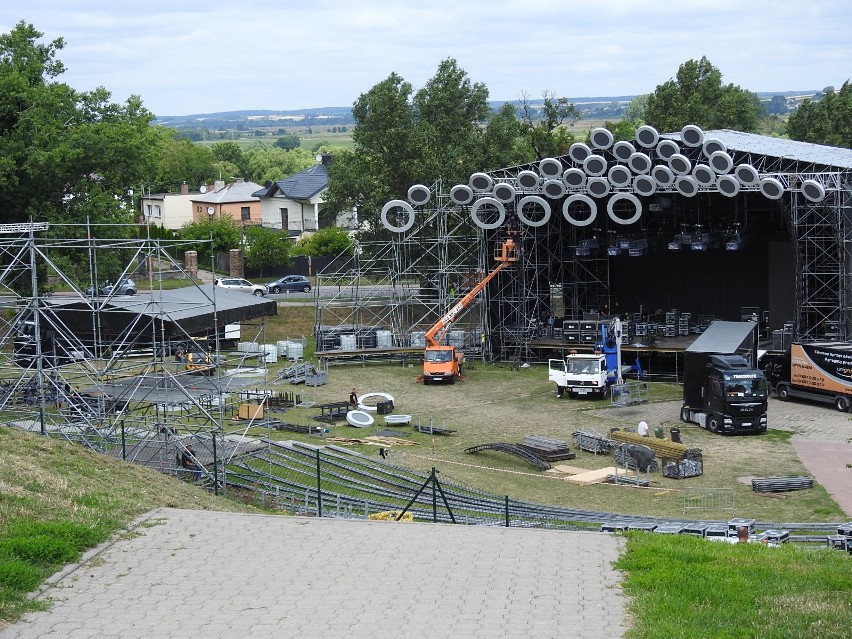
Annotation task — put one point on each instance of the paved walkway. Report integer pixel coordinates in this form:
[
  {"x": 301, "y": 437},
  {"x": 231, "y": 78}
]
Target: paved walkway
[{"x": 224, "y": 575}]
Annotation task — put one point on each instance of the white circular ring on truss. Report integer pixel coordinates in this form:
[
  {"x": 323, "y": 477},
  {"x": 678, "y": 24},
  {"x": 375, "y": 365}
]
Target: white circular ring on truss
[
  {"x": 712, "y": 145},
  {"x": 601, "y": 138},
  {"x": 359, "y": 419},
  {"x": 579, "y": 152},
  {"x": 385, "y": 397},
  {"x": 728, "y": 185},
  {"x": 574, "y": 178},
  {"x": 550, "y": 168},
  {"x": 554, "y": 189},
  {"x": 474, "y": 213},
  {"x": 663, "y": 175},
  {"x": 686, "y": 185},
  {"x": 747, "y": 174},
  {"x": 529, "y": 180},
  {"x": 585, "y": 199},
  {"x": 644, "y": 185},
  {"x": 647, "y": 136},
  {"x": 595, "y": 165},
  {"x": 619, "y": 175},
  {"x": 397, "y": 419},
  {"x": 622, "y": 150},
  {"x": 813, "y": 190},
  {"x": 504, "y": 192},
  {"x": 680, "y": 164},
  {"x": 704, "y": 175},
  {"x": 461, "y": 194},
  {"x": 598, "y": 187},
  {"x": 721, "y": 162},
  {"x": 419, "y": 194},
  {"x": 771, "y": 188},
  {"x": 481, "y": 182},
  {"x": 667, "y": 148},
  {"x": 404, "y": 206},
  {"x": 639, "y": 163},
  {"x": 618, "y": 197},
  {"x": 533, "y": 199},
  {"x": 692, "y": 135}
]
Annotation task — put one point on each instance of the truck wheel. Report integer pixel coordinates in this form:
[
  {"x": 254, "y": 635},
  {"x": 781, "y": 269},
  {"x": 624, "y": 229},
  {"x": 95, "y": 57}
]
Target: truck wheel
[
  {"x": 713, "y": 424},
  {"x": 841, "y": 403},
  {"x": 782, "y": 392},
  {"x": 684, "y": 414}
]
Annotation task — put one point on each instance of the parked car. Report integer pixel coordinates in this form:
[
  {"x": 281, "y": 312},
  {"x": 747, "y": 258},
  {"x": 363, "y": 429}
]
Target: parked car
[
  {"x": 290, "y": 283},
  {"x": 124, "y": 286},
  {"x": 239, "y": 284}
]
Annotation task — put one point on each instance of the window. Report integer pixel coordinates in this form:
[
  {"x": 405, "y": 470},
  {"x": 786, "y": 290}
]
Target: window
[
  {"x": 285, "y": 218},
  {"x": 245, "y": 213}
]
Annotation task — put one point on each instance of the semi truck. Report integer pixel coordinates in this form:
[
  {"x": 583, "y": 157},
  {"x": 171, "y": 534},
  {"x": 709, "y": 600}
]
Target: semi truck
[
  {"x": 816, "y": 371},
  {"x": 592, "y": 374},
  {"x": 723, "y": 393},
  {"x": 441, "y": 362}
]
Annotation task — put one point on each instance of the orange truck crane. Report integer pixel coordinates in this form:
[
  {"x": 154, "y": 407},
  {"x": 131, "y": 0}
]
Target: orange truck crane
[{"x": 444, "y": 363}]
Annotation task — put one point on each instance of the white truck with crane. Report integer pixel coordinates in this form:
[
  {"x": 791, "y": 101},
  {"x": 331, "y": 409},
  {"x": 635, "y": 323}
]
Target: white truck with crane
[{"x": 441, "y": 362}]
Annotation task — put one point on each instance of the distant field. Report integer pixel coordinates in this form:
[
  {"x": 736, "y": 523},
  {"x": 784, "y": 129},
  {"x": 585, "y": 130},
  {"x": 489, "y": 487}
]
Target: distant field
[{"x": 309, "y": 141}]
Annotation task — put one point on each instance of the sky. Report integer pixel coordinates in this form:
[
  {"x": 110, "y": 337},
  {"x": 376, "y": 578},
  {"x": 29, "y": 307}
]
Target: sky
[{"x": 185, "y": 58}]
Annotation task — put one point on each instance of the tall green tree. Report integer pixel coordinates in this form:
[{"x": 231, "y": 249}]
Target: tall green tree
[
  {"x": 222, "y": 234},
  {"x": 180, "y": 161},
  {"x": 828, "y": 121},
  {"x": 502, "y": 144},
  {"x": 270, "y": 163},
  {"x": 331, "y": 240},
  {"x": 696, "y": 95},
  {"x": 266, "y": 247},
  {"x": 545, "y": 128}
]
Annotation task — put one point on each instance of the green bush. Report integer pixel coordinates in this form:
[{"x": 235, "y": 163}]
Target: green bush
[
  {"x": 41, "y": 550},
  {"x": 18, "y": 576},
  {"x": 79, "y": 536}
]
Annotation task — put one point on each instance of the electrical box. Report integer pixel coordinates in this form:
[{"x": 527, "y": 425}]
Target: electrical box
[{"x": 251, "y": 411}]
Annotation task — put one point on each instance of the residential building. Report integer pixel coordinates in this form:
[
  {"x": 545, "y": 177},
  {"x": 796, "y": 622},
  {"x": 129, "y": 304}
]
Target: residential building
[
  {"x": 236, "y": 200},
  {"x": 294, "y": 203}
]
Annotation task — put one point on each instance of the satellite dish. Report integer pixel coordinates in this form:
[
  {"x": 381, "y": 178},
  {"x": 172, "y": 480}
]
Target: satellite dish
[
  {"x": 202, "y": 189},
  {"x": 318, "y": 158}
]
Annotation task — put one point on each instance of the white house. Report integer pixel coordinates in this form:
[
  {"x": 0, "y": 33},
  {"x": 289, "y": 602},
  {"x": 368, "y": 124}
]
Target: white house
[{"x": 293, "y": 204}]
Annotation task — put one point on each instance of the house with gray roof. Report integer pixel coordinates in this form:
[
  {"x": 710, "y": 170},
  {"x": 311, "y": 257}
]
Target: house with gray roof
[
  {"x": 235, "y": 200},
  {"x": 294, "y": 203}
]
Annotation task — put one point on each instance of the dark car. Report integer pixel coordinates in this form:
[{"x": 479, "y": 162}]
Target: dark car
[
  {"x": 290, "y": 283},
  {"x": 124, "y": 286}
]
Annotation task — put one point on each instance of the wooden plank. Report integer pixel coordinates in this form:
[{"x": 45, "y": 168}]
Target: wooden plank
[
  {"x": 597, "y": 476},
  {"x": 564, "y": 469}
]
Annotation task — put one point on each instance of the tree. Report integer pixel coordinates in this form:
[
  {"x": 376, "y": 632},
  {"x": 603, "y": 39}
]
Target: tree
[
  {"x": 288, "y": 142},
  {"x": 501, "y": 140},
  {"x": 777, "y": 105},
  {"x": 635, "y": 111},
  {"x": 266, "y": 163},
  {"x": 544, "y": 128},
  {"x": 697, "y": 96},
  {"x": 223, "y": 231},
  {"x": 828, "y": 121},
  {"x": 266, "y": 247},
  {"x": 180, "y": 161},
  {"x": 332, "y": 241}
]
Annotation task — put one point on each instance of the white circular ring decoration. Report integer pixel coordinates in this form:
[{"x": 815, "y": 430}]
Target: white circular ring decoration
[
  {"x": 813, "y": 190},
  {"x": 598, "y": 187},
  {"x": 692, "y": 135},
  {"x": 623, "y": 150},
  {"x": 461, "y": 194},
  {"x": 747, "y": 174},
  {"x": 647, "y": 136},
  {"x": 686, "y": 185},
  {"x": 585, "y": 199},
  {"x": 771, "y": 188},
  {"x": 403, "y": 205},
  {"x": 528, "y": 180},
  {"x": 474, "y": 212},
  {"x": 533, "y": 199},
  {"x": 712, "y": 145},
  {"x": 554, "y": 189},
  {"x": 574, "y": 178},
  {"x": 550, "y": 168},
  {"x": 728, "y": 185},
  {"x": 385, "y": 397},
  {"x": 504, "y": 192},
  {"x": 397, "y": 419},
  {"x": 721, "y": 162},
  {"x": 595, "y": 165},
  {"x": 680, "y": 164},
  {"x": 704, "y": 175},
  {"x": 579, "y": 152},
  {"x": 419, "y": 194},
  {"x": 663, "y": 175},
  {"x": 619, "y": 175},
  {"x": 667, "y": 148},
  {"x": 359, "y": 419},
  {"x": 639, "y": 163},
  {"x": 644, "y": 185},
  {"x": 481, "y": 182},
  {"x": 618, "y": 197},
  {"x": 601, "y": 138}
]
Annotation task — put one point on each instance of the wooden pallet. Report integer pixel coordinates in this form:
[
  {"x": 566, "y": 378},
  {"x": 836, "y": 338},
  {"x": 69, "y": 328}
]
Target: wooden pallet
[{"x": 598, "y": 476}]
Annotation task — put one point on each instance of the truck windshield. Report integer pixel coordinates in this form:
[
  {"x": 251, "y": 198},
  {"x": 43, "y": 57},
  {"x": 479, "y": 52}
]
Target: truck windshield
[
  {"x": 746, "y": 388},
  {"x": 438, "y": 356},
  {"x": 584, "y": 366}
]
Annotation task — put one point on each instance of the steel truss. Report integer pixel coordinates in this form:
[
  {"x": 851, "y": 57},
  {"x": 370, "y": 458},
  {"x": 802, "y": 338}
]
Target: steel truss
[{"x": 120, "y": 394}]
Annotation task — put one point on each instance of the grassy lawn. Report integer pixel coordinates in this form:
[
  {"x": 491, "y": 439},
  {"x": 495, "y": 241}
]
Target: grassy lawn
[{"x": 686, "y": 587}]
